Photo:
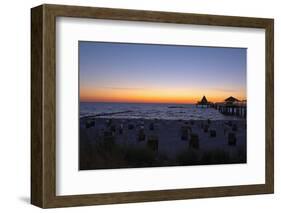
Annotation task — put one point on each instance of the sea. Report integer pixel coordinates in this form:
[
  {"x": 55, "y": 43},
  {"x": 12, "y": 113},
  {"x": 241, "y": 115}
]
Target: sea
[{"x": 151, "y": 111}]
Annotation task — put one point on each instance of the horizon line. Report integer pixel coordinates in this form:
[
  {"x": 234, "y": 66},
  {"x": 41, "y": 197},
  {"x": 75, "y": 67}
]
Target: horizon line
[{"x": 127, "y": 102}]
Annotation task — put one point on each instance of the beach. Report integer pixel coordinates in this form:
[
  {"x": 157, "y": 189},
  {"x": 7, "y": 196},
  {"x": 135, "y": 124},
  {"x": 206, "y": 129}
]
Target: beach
[{"x": 110, "y": 141}]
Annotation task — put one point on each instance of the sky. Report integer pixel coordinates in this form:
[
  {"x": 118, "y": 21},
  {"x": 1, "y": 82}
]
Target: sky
[{"x": 151, "y": 73}]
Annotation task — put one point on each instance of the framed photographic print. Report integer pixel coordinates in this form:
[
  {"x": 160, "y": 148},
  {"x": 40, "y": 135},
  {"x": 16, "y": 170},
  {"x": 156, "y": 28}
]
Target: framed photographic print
[{"x": 136, "y": 106}]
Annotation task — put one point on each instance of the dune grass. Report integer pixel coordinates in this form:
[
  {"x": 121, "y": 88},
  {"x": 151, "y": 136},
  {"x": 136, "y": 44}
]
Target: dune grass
[{"x": 105, "y": 153}]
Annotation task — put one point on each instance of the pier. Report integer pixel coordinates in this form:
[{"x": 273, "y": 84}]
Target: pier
[
  {"x": 235, "y": 109},
  {"x": 230, "y": 106}
]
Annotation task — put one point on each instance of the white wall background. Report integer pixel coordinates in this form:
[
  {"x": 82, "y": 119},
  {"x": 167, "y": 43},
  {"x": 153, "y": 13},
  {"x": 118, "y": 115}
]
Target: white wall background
[{"x": 15, "y": 105}]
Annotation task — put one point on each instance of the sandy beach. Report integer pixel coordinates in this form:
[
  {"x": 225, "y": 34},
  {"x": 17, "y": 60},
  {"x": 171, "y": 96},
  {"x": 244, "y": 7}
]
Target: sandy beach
[{"x": 107, "y": 143}]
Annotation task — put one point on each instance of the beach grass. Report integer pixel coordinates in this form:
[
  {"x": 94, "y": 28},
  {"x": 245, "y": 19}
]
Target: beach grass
[
  {"x": 107, "y": 154},
  {"x": 103, "y": 147}
]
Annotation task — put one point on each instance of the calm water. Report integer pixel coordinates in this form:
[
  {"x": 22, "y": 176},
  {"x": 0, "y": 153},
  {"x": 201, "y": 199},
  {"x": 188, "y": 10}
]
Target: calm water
[{"x": 151, "y": 111}]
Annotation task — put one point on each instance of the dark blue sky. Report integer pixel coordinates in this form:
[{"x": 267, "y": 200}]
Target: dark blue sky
[{"x": 113, "y": 68}]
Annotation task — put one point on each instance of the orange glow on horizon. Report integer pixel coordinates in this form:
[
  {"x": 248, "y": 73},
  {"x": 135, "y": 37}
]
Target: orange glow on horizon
[{"x": 177, "y": 96}]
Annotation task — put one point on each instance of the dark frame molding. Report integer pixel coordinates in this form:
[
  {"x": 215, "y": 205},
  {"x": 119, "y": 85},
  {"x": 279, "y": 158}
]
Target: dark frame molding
[{"x": 43, "y": 105}]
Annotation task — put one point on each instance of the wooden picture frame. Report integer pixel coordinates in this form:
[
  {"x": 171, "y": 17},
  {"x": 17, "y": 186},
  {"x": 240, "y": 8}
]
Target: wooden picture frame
[{"x": 43, "y": 105}]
